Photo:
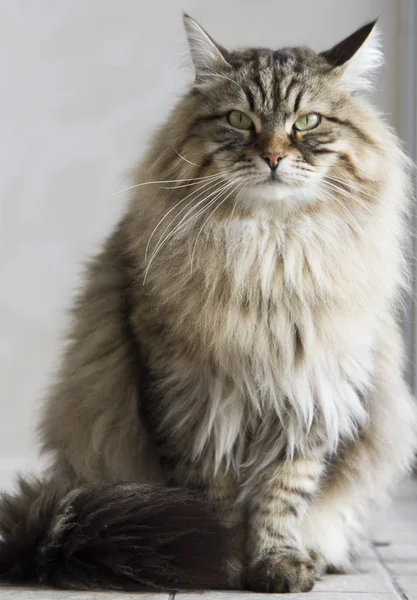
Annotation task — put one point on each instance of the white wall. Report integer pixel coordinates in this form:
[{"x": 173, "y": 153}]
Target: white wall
[{"x": 83, "y": 84}]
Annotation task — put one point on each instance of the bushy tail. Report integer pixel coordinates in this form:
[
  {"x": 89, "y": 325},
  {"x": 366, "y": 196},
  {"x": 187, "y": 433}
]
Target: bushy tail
[{"x": 119, "y": 537}]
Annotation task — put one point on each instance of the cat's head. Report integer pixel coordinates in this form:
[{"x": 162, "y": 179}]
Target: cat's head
[{"x": 280, "y": 123}]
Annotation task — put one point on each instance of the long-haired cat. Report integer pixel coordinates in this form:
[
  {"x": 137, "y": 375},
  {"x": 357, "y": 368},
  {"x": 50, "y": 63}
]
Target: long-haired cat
[{"x": 231, "y": 402}]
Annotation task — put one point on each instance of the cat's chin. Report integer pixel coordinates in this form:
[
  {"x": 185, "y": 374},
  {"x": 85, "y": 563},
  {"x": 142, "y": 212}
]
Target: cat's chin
[{"x": 279, "y": 194}]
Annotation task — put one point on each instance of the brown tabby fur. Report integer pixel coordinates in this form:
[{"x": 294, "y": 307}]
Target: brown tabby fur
[{"x": 239, "y": 337}]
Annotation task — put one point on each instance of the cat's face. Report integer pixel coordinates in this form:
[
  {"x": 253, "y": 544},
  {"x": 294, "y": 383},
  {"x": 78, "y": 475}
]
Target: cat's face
[{"x": 280, "y": 123}]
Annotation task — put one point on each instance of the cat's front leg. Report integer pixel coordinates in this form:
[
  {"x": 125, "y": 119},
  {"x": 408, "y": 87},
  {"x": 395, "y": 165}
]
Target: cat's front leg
[{"x": 276, "y": 559}]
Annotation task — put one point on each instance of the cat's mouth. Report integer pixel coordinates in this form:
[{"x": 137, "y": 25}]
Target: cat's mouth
[{"x": 273, "y": 179}]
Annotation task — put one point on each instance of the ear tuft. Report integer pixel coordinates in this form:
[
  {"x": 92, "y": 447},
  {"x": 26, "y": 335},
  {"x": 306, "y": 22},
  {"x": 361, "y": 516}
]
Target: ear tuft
[
  {"x": 206, "y": 55},
  {"x": 358, "y": 56}
]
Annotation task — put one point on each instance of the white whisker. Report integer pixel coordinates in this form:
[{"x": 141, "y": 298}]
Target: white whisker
[
  {"x": 193, "y": 199},
  {"x": 341, "y": 181},
  {"x": 212, "y": 201},
  {"x": 334, "y": 198},
  {"x": 131, "y": 187},
  {"x": 353, "y": 187},
  {"x": 236, "y": 201},
  {"x": 177, "y": 227},
  {"x": 199, "y": 189},
  {"x": 183, "y": 185},
  {"x": 186, "y": 159},
  {"x": 347, "y": 194},
  {"x": 208, "y": 218}
]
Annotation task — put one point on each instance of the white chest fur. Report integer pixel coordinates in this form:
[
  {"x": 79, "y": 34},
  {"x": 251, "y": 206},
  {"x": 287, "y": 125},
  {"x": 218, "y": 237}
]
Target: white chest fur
[{"x": 286, "y": 321}]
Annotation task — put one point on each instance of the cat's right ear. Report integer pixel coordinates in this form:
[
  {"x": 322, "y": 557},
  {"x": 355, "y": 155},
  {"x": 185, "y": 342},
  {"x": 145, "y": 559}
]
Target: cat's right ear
[{"x": 207, "y": 56}]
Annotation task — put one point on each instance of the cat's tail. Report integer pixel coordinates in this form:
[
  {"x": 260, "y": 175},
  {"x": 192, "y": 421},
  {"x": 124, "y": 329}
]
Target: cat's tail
[{"x": 120, "y": 537}]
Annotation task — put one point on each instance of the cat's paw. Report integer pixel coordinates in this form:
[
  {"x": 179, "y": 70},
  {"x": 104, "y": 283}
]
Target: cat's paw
[
  {"x": 281, "y": 572},
  {"x": 319, "y": 562},
  {"x": 235, "y": 573}
]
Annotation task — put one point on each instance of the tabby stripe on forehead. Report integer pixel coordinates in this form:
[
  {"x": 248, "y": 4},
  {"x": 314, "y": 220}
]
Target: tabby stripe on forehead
[
  {"x": 277, "y": 92},
  {"x": 258, "y": 81},
  {"x": 298, "y": 101},
  {"x": 352, "y": 127},
  {"x": 290, "y": 87},
  {"x": 250, "y": 98}
]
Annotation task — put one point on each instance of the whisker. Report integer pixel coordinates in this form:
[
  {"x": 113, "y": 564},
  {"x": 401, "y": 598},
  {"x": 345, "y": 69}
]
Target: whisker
[
  {"x": 349, "y": 195},
  {"x": 342, "y": 181},
  {"x": 165, "y": 240},
  {"x": 222, "y": 186},
  {"x": 175, "y": 230},
  {"x": 333, "y": 177},
  {"x": 199, "y": 189},
  {"x": 236, "y": 201},
  {"x": 362, "y": 191},
  {"x": 131, "y": 187},
  {"x": 183, "y": 185},
  {"x": 361, "y": 201},
  {"x": 186, "y": 159},
  {"x": 193, "y": 199},
  {"x": 333, "y": 197},
  {"x": 353, "y": 187},
  {"x": 212, "y": 201},
  {"x": 208, "y": 218},
  {"x": 199, "y": 153}
]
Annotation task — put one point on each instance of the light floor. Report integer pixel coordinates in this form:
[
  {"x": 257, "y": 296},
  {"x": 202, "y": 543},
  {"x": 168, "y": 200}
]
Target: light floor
[{"x": 389, "y": 572}]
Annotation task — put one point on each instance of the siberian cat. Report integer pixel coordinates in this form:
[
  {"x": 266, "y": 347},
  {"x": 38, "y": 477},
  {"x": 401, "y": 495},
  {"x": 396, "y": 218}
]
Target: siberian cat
[{"x": 231, "y": 401}]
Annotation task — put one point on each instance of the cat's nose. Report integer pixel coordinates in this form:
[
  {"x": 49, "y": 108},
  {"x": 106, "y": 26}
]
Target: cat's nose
[{"x": 273, "y": 159}]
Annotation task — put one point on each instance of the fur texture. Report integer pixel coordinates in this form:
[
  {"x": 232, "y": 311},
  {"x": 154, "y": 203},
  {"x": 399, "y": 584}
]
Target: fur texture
[
  {"x": 238, "y": 333},
  {"x": 119, "y": 537}
]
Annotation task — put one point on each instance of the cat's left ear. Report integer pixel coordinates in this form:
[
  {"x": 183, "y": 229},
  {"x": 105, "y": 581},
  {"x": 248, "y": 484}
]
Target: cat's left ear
[
  {"x": 207, "y": 56},
  {"x": 357, "y": 57}
]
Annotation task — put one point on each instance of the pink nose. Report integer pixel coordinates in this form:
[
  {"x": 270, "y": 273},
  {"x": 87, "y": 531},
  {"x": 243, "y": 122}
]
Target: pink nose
[{"x": 273, "y": 159}]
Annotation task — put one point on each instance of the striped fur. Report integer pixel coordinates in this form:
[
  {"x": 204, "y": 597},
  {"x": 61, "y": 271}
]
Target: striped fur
[{"x": 238, "y": 335}]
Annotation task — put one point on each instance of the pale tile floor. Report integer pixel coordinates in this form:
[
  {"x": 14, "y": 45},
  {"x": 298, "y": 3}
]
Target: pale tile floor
[{"x": 388, "y": 572}]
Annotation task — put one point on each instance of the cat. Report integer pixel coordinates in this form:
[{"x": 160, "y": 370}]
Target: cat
[{"x": 230, "y": 404}]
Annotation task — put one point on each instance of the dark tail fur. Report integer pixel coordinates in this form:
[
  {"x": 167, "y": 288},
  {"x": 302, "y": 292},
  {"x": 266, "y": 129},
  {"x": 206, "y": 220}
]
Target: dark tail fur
[{"x": 119, "y": 537}]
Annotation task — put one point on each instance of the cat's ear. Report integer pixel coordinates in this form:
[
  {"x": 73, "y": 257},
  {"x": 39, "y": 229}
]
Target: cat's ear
[
  {"x": 357, "y": 57},
  {"x": 207, "y": 56}
]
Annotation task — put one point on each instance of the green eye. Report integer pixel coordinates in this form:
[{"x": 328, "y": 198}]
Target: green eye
[
  {"x": 240, "y": 120},
  {"x": 307, "y": 122}
]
